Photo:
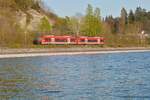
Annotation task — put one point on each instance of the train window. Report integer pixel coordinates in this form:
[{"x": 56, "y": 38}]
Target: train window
[
  {"x": 72, "y": 40},
  {"x": 101, "y": 40},
  {"x": 82, "y": 40},
  {"x": 60, "y": 40},
  {"x": 92, "y": 40},
  {"x": 48, "y": 39}
]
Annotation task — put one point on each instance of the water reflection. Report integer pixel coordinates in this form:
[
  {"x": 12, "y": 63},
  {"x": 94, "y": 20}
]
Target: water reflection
[
  {"x": 23, "y": 79},
  {"x": 15, "y": 81}
]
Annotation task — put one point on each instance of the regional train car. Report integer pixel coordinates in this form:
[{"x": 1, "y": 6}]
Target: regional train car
[{"x": 81, "y": 40}]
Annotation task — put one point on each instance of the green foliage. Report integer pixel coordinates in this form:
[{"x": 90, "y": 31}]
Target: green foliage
[
  {"x": 61, "y": 27},
  {"x": 97, "y": 13},
  {"x": 140, "y": 14},
  {"x": 74, "y": 25},
  {"x": 124, "y": 16},
  {"x": 127, "y": 28},
  {"x": 131, "y": 17},
  {"x": 92, "y": 22},
  {"x": 10, "y": 32},
  {"x": 120, "y": 31},
  {"x": 89, "y": 11},
  {"x": 111, "y": 24},
  {"x": 45, "y": 26},
  {"x": 123, "y": 21}
]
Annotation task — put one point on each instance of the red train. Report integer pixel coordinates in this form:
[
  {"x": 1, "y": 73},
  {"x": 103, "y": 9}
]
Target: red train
[{"x": 82, "y": 40}]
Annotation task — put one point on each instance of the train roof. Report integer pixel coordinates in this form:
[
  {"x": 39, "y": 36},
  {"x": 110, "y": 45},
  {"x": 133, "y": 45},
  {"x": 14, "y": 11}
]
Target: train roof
[{"x": 66, "y": 36}]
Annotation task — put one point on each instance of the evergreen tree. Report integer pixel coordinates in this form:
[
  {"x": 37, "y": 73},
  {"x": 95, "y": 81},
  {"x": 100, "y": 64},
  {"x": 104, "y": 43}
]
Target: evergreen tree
[
  {"x": 123, "y": 21},
  {"x": 124, "y": 16},
  {"x": 140, "y": 14},
  {"x": 131, "y": 17}
]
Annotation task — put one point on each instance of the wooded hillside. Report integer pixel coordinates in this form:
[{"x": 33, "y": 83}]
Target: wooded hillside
[{"x": 22, "y": 20}]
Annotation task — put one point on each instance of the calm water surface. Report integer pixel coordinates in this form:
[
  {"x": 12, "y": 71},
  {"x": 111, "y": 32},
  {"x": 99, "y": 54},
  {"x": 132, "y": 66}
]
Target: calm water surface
[{"x": 122, "y": 76}]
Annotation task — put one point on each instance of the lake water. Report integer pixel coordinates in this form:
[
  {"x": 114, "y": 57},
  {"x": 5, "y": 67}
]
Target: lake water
[{"x": 122, "y": 76}]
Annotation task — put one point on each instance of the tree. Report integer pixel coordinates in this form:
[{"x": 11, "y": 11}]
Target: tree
[
  {"x": 110, "y": 21},
  {"x": 123, "y": 20},
  {"x": 45, "y": 26},
  {"x": 61, "y": 26},
  {"x": 97, "y": 13},
  {"x": 88, "y": 20},
  {"x": 92, "y": 22},
  {"x": 74, "y": 24},
  {"x": 97, "y": 21},
  {"x": 131, "y": 17},
  {"x": 89, "y": 11},
  {"x": 124, "y": 15},
  {"x": 138, "y": 13}
]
